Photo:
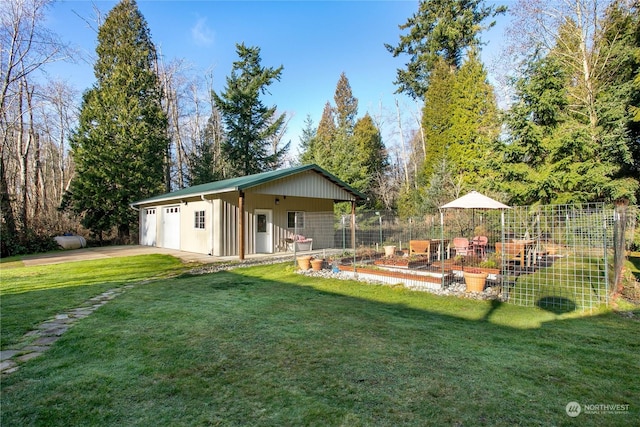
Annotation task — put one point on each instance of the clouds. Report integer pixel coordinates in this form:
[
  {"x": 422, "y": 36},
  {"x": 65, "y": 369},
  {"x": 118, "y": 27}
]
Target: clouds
[{"x": 201, "y": 34}]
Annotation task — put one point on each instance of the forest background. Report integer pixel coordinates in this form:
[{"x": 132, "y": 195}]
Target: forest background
[{"x": 568, "y": 134}]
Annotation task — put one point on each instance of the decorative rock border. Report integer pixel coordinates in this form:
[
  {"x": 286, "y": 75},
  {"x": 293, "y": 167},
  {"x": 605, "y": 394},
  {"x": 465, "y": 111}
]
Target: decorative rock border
[
  {"x": 39, "y": 340},
  {"x": 454, "y": 289}
]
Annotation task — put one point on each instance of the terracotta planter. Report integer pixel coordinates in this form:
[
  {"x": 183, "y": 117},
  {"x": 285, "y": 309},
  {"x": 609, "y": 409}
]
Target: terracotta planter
[
  {"x": 316, "y": 264},
  {"x": 304, "y": 262},
  {"x": 389, "y": 250},
  {"x": 475, "y": 281}
]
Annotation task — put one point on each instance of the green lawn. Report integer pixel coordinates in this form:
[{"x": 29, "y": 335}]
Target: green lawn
[
  {"x": 265, "y": 346},
  {"x": 32, "y": 295}
]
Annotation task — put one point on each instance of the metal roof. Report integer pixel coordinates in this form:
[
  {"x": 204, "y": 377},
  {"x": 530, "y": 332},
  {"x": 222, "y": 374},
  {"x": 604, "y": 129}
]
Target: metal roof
[{"x": 246, "y": 182}]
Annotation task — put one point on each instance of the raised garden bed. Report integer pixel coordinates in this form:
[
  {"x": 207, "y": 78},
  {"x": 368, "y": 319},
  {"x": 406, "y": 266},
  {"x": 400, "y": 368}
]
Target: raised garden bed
[
  {"x": 403, "y": 262},
  {"x": 451, "y": 265},
  {"x": 430, "y": 280}
]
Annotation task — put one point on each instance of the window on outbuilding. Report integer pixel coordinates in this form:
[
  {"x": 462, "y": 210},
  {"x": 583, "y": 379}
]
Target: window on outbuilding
[
  {"x": 291, "y": 219},
  {"x": 199, "y": 219}
]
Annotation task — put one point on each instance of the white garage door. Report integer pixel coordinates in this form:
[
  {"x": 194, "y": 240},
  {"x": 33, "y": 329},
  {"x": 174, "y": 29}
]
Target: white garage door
[
  {"x": 149, "y": 227},
  {"x": 171, "y": 227}
]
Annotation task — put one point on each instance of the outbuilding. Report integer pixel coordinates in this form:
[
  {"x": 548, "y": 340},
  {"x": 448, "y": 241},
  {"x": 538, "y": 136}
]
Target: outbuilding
[{"x": 246, "y": 215}]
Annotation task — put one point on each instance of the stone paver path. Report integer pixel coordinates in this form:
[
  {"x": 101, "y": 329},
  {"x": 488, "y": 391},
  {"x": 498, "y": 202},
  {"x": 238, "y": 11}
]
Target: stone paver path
[{"x": 37, "y": 341}]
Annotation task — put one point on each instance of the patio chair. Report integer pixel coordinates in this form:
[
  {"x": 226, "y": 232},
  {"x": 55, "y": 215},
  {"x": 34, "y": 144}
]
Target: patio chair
[{"x": 461, "y": 246}]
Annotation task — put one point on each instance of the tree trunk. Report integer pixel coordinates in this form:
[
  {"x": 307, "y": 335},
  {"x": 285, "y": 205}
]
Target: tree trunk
[
  {"x": 404, "y": 150},
  {"x": 124, "y": 233},
  {"x": 24, "y": 160},
  {"x": 37, "y": 163},
  {"x": 8, "y": 218}
]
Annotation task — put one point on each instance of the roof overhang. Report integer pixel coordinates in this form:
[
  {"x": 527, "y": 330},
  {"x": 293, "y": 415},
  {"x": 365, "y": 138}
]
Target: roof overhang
[{"x": 246, "y": 183}]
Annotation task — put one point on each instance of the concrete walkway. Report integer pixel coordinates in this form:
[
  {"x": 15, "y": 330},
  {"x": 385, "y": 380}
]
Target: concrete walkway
[
  {"x": 112, "y": 252},
  {"x": 131, "y": 250}
]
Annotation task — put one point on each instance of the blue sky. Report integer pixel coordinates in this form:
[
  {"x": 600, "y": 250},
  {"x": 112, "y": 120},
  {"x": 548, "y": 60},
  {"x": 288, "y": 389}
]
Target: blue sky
[{"x": 315, "y": 41}]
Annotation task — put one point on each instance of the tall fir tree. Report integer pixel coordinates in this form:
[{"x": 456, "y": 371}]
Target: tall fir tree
[
  {"x": 346, "y": 109},
  {"x": 436, "y": 117},
  {"x": 619, "y": 100},
  {"x": 350, "y": 148},
  {"x": 551, "y": 156},
  {"x": 120, "y": 143},
  {"x": 443, "y": 29},
  {"x": 322, "y": 143},
  {"x": 533, "y": 122},
  {"x": 475, "y": 124},
  {"x": 373, "y": 154},
  {"x": 460, "y": 124},
  {"x": 249, "y": 124},
  {"x": 307, "y": 142}
]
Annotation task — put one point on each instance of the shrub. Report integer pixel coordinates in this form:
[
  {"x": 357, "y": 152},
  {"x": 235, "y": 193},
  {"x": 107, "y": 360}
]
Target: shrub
[
  {"x": 31, "y": 243},
  {"x": 492, "y": 262},
  {"x": 630, "y": 287}
]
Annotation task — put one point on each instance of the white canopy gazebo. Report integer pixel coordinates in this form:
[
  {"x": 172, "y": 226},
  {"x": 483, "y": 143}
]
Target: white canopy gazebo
[{"x": 472, "y": 200}]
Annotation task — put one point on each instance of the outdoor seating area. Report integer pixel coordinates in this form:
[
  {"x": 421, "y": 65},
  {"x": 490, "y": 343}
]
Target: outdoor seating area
[
  {"x": 476, "y": 246},
  {"x": 551, "y": 255}
]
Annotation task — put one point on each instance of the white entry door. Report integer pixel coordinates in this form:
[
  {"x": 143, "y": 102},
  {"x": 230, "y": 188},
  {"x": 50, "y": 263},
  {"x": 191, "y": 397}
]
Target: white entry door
[
  {"x": 171, "y": 227},
  {"x": 264, "y": 231}
]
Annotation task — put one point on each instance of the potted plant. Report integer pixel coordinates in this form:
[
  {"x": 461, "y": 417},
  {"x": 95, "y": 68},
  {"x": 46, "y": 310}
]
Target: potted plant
[
  {"x": 316, "y": 264},
  {"x": 475, "y": 279},
  {"x": 304, "y": 262},
  {"x": 389, "y": 250}
]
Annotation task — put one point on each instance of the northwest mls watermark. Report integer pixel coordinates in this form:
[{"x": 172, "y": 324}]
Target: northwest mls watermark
[{"x": 574, "y": 409}]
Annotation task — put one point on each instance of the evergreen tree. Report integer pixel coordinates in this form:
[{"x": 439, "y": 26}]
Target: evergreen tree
[
  {"x": 350, "y": 148},
  {"x": 436, "y": 117},
  {"x": 475, "y": 124},
  {"x": 440, "y": 28},
  {"x": 552, "y": 156},
  {"x": 121, "y": 139},
  {"x": 372, "y": 152},
  {"x": 460, "y": 123},
  {"x": 322, "y": 145},
  {"x": 590, "y": 154},
  {"x": 346, "y": 106},
  {"x": 249, "y": 124},
  {"x": 307, "y": 142},
  {"x": 344, "y": 158},
  {"x": 327, "y": 126},
  {"x": 533, "y": 122},
  {"x": 618, "y": 101},
  {"x": 440, "y": 189}
]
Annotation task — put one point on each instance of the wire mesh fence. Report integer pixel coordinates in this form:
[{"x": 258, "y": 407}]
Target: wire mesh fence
[
  {"x": 558, "y": 257},
  {"x": 562, "y": 261}
]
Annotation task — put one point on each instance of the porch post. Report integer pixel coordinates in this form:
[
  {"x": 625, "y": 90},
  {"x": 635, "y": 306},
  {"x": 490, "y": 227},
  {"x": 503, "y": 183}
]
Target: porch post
[
  {"x": 353, "y": 226},
  {"x": 241, "y": 226}
]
